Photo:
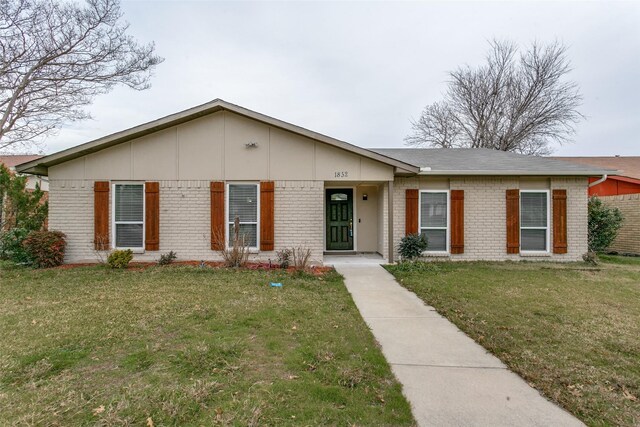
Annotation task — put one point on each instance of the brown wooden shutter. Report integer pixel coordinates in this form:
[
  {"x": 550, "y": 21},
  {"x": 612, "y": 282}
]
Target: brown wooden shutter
[
  {"x": 411, "y": 220},
  {"x": 559, "y": 221},
  {"x": 101, "y": 215},
  {"x": 266, "y": 215},
  {"x": 513, "y": 221},
  {"x": 217, "y": 216},
  {"x": 152, "y": 216},
  {"x": 457, "y": 221}
]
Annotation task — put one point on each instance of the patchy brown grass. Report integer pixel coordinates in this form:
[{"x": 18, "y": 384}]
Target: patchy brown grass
[
  {"x": 188, "y": 346},
  {"x": 571, "y": 330}
]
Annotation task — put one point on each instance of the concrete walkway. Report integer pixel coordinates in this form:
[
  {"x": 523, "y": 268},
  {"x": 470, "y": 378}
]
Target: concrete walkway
[{"x": 448, "y": 378}]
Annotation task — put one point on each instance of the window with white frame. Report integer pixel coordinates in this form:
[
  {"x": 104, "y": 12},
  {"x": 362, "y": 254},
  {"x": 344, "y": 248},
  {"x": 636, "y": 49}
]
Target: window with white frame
[
  {"x": 242, "y": 202},
  {"x": 534, "y": 221},
  {"x": 128, "y": 215},
  {"x": 434, "y": 219}
]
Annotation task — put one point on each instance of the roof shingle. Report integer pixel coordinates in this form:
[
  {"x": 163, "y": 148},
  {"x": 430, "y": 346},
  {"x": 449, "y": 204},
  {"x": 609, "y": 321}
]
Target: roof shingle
[
  {"x": 12, "y": 160},
  {"x": 467, "y": 161},
  {"x": 628, "y": 166}
]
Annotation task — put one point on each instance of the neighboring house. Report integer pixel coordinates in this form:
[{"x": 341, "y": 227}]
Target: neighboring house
[
  {"x": 179, "y": 182},
  {"x": 11, "y": 160},
  {"x": 626, "y": 181},
  {"x": 621, "y": 190}
]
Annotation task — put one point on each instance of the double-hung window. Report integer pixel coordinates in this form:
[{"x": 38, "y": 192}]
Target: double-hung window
[
  {"x": 434, "y": 219},
  {"x": 243, "y": 203},
  {"x": 534, "y": 220},
  {"x": 128, "y": 215}
]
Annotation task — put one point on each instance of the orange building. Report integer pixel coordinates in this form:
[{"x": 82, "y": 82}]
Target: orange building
[{"x": 628, "y": 182}]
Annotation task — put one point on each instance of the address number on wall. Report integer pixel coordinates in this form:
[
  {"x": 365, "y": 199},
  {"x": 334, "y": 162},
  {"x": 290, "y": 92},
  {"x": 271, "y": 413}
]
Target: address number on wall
[{"x": 341, "y": 174}]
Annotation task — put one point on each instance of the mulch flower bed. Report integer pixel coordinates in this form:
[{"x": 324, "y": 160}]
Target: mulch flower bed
[{"x": 140, "y": 266}]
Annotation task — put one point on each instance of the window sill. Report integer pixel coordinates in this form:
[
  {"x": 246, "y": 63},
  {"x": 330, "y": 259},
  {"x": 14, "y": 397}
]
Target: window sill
[
  {"x": 252, "y": 251},
  {"x": 435, "y": 254},
  {"x": 134, "y": 250},
  {"x": 534, "y": 254}
]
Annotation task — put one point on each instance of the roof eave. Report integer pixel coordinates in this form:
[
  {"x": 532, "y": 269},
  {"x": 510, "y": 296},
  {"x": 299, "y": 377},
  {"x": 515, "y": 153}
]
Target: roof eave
[
  {"x": 624, "y": 178},
  {"x": 518, "y": 172}
]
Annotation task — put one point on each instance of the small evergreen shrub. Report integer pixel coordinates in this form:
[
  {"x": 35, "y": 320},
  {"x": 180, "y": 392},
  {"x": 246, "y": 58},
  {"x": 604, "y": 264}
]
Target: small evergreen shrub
[
  {"x": 412, "y": 246},
  {"x": 604, "y": 224},
  {"x": 45, "y": 248},
  {"x": 168, "y": 258},
  {"x": 11, "y": 247},
  {"x": 120, "y": 258}
]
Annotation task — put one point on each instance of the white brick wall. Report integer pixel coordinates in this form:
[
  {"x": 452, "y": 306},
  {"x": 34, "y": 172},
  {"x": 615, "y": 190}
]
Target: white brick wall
[
  {"x": 485, "y": 215},
  {"x": 71, "y": 211},
  {"x": 185, "y": 219},
  {"x": 299, "y": 217},
  {"x": 577, "y": 216}
]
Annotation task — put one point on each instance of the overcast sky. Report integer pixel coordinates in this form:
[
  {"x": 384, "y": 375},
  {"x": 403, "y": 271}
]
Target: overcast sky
[{"x": 360, "y": 71}]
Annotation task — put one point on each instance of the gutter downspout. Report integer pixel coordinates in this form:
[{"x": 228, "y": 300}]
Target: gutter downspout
[{"x": 600, "y": 181}]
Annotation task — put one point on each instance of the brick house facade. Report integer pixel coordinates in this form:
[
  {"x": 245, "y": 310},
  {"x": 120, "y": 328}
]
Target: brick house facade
[{"x": 172, "y": 183}]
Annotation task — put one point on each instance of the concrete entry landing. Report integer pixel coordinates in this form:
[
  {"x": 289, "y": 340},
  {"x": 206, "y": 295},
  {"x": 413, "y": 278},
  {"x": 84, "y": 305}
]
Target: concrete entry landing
[
  {"x": 447, "y": 377},
  {"x": 353, "y": 259}
]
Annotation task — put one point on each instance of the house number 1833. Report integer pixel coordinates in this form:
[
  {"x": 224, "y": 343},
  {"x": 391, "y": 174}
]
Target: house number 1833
[{"x": 341, "y": 174}]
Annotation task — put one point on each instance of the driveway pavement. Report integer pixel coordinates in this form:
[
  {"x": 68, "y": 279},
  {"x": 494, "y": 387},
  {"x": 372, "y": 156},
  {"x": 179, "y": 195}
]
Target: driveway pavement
[{"x": 447, "y": 377}]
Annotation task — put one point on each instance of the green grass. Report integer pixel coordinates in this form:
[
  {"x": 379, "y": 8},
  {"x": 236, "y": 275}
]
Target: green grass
[
  {"x": 572, "y": 331},
  {"x": 619, "y": 259},
  {"x": 188, "y": 346}
]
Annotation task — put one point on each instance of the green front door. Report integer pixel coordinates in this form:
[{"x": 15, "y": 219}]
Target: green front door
[{"x": 340, "y": 219}]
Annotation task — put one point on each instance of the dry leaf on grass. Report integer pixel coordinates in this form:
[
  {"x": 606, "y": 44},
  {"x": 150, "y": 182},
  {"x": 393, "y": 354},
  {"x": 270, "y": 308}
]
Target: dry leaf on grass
[
  {"x": 98, "y": 410},
  {"x": 627, "y": 395}
]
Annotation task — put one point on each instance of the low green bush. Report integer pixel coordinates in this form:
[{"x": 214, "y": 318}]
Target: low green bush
[
  {"x": 11, "y": 247},
  {"x": 168, "y": 258},
  {"x": 45, "y": 248},
  {"x": 412, "y": 245},
  {"x": 120, "y": 258},
  {"x": 604, "y": 224}
]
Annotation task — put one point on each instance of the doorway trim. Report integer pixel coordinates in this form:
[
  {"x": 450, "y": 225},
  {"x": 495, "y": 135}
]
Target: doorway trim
[{"x": 324, "y": 220}]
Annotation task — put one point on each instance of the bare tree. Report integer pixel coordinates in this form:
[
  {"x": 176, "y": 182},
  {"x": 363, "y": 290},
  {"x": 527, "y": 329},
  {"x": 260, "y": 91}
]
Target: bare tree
[
  {"x": 56, "y": 57},
  {"x": 514, "y": 102}
]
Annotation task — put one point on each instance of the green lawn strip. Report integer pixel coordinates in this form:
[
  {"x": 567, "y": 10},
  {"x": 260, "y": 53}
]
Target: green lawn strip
[
  {"x": 188, "y": 346},
  {"x": 619, "y": 259},
  {"x": 570, "y": 330}
]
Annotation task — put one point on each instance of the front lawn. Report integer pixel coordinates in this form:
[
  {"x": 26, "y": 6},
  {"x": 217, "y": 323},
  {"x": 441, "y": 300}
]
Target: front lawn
[
  {"x": 572, "y": 331},
  {"x": 188, "y": 346}
]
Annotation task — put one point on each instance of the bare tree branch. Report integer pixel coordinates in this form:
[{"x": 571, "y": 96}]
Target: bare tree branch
[
  {"x": 56, "y": 58},
  {"x": 513, "y": 102}
]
